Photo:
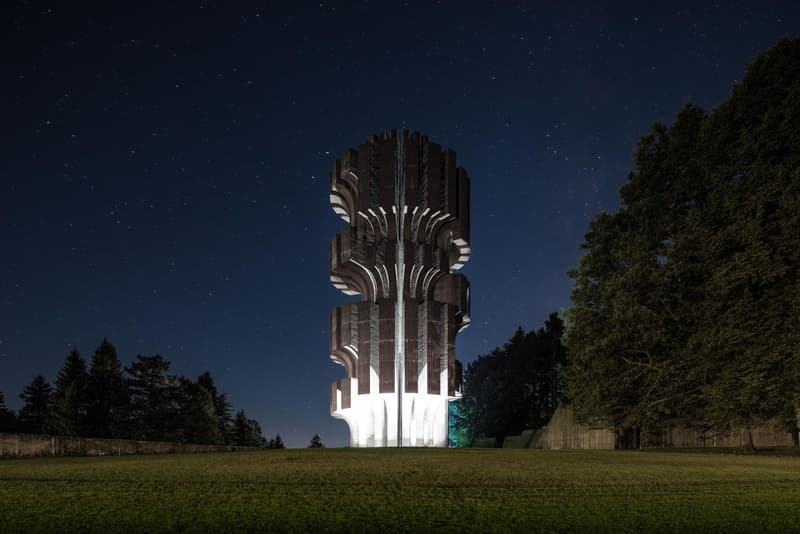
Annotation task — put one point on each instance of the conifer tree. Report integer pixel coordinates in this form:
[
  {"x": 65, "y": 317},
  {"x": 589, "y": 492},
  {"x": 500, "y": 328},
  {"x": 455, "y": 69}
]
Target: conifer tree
[
  {"x": 222, "y": 408},
  {"x": 516, "y": 386},
  {"x": 34, "y": 414},
  {"x": 107, "y": 395},
  {"x": 197, "y": 420},
  {"x": 152, "y": 396},
  {"x": 8, "y": 420},
  {"x": 68, "y": 408},
  {"x": 247, "y": 431}
]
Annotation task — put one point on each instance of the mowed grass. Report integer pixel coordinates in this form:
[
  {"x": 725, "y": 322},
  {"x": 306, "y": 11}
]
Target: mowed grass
[{"x": 411, "y": 490}]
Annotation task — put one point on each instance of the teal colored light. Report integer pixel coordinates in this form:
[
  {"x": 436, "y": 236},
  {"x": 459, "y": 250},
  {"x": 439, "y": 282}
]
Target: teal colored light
[{"x": 458, "y": 434}]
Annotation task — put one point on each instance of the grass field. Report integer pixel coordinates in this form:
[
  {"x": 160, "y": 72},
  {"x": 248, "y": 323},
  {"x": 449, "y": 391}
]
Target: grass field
[{"x": 413, "y": 490}]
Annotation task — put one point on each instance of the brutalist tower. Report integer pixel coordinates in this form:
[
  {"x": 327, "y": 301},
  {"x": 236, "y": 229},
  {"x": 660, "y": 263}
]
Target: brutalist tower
[{"x": 407, "y": 206}]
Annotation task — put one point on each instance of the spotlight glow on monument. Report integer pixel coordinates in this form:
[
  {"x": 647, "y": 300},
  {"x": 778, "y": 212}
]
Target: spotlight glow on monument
[{"x": 407, "y": 206}]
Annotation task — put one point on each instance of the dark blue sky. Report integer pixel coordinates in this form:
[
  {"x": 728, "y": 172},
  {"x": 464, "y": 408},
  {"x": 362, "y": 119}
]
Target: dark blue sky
[{"x": 164, "y": 171}]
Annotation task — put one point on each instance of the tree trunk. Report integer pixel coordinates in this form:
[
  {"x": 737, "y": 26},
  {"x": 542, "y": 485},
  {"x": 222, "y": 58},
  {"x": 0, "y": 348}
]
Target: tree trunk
[
  {"x": 498, "y": 441},
  {"x": 796, "y": 433}
]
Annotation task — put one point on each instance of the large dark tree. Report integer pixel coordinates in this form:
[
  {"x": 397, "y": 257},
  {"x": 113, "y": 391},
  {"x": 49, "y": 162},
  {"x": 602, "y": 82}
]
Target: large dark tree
[
  {"x": 196, "y": 416},
  {"x": 8, "y": 420},
  {"x": 685, "y": 305},
  {"x": 35, "y": 412},
  {"x": 316, "y": 443},
  {"x": 750, "y": 321},
  {"x": 107, "y": 395},
  {"x": 152, "y": 397},
  {"x": 222, "y": 408},
  {"x": 635, "y": 293},
  {"x": 68, "y": 406}
]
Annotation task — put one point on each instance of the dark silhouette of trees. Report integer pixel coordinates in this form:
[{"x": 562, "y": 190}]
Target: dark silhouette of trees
[
  {"x": 247, "y": 432},
  {"x": 107, "y": 409},
  {"x": 34, "y": 413},
  {"x": 685, "y": 305},
  {"x": 516, "y": 386},
  {"x": 152, "y": 398},
  {"x": 142, "y": 401},
  {"x": 175, "y": 408},
  {"x": 222, "y": 408},
  {"x": 276, "y": 443},
  {"x": 197, "y": 419},
  {"x": 316, "y": 443},
  {"x": 68, "y": 404},
  {"x": 8, "y": 419},
  {"x": 108, "y": 403}
]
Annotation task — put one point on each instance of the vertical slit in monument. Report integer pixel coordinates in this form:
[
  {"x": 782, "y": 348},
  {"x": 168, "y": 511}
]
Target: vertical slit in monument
[{"x": 399, "y": 319}]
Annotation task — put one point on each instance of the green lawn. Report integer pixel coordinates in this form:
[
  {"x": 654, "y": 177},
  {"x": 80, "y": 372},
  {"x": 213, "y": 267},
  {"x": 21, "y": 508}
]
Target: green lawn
[{"x": 413, "y": 490}]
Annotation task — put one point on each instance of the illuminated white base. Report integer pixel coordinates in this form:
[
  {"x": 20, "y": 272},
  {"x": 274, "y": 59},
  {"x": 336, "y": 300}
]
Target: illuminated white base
[{"x": 373, "y": 419}]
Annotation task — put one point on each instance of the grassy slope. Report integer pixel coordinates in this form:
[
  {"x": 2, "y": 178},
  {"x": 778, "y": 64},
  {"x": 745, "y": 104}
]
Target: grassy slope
[{"x": 411, "y": 489}]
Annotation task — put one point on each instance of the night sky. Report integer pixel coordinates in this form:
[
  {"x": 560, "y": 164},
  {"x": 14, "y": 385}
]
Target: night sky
[{"x": 164, "y": 170}]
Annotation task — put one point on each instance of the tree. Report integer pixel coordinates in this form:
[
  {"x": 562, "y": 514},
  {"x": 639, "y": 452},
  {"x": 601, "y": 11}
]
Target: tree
[
  {"x": 68, "y": 405},
  {"x": 222, "y": 408},
  {"x": 516, "y": 386},
  {"x": 152, "y": 398},
  {"x": 196, "y": 416},
  {"x": 685, "y": 305},
  {"x": 277, "y": 442},
  {"x": 316, "y": 443},
  {"x": 34, "y": 413},
  {"x": 8, "y": 420},
  {"x": 750, "y": 322},
  {"x": 635, "y": 292},
  {"x": 107, "y": 395},
  {"x": 247, "y": 432}
]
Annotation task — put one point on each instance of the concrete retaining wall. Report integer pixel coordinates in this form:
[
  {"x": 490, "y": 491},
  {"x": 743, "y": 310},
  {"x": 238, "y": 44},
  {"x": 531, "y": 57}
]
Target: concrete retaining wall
[
  {"x": 763, "y": 436},
  {"x": 563, "y": 432}
]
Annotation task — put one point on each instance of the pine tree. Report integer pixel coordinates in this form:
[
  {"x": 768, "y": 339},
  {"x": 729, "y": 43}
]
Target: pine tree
[
  {"x": 152, "y": 394},
  {"x": 516, "y": 386},
  {"x": 196, "y": 416},
  {"x": 68, "y": 408},
  {"x": 278, "y": 443},
  {"x": 8, "y": 420},
  {"x": 34, "y": 414},
  {"x": 107, "y": 395},
  {"x": 247, "y": 431},
  {"x": 222, "y": 408},
  {"x": 316, "y": 443}
]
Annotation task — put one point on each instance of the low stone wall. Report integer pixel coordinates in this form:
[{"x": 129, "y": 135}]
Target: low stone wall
[{"x": 16, "y": 445}]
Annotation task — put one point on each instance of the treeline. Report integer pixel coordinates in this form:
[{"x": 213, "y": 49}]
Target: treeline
[
  {"x": 686, "y": 304},
  {"x": 516, "y": 386},
  {"x": 141, "y": 401}
]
